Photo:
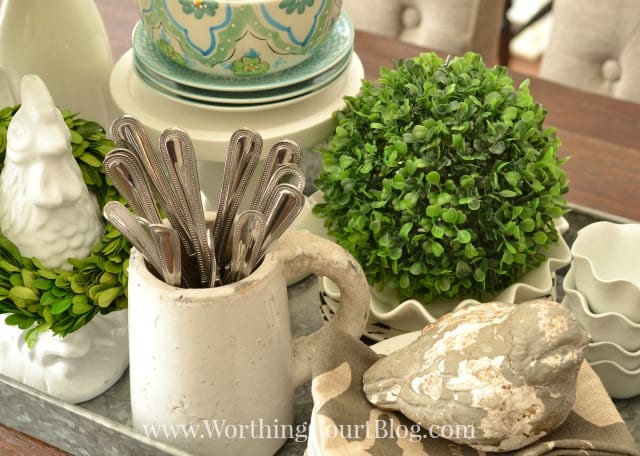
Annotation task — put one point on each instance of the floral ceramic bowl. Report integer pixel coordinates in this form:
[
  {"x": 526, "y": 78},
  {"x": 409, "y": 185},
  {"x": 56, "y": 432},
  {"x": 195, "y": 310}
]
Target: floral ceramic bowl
[
  {"x": 606, "y": 326},
  {"x": 238, "y": 37},
  {"x": 607, "y": 267}
]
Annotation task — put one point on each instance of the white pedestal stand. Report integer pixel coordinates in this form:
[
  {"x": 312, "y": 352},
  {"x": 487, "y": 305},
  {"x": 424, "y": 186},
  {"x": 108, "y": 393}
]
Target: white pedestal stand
[{"x": 308, "y": 121}]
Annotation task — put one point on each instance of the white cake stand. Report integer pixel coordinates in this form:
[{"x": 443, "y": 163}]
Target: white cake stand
[{"x": 307, "y": 120}]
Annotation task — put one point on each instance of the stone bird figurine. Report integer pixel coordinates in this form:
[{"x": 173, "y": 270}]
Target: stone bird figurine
[
  {"x": 45, "y": 207},
  {"x": 506, "y": 372}
]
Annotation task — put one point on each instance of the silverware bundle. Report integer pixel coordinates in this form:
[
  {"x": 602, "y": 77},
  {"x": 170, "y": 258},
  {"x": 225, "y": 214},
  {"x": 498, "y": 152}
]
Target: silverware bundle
[{"x": 189, "y": 252}]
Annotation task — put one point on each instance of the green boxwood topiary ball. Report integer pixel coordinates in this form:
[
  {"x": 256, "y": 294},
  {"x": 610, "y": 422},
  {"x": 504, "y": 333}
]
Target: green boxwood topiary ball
[{"x": 441, "y": 180}]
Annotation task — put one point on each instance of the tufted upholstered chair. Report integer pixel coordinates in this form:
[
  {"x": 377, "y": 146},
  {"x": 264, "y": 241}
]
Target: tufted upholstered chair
[
  {"x": 595, "y": 46},
  {"x": 451, "y": 26}
]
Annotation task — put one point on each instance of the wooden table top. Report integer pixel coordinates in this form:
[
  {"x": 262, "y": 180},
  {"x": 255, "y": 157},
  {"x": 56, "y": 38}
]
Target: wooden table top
[{"x": 601, "y": 134}]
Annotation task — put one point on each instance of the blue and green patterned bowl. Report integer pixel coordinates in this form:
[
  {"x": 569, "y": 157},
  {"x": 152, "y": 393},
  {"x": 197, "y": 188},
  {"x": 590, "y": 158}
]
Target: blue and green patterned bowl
[{"x": 238, "y": 37}]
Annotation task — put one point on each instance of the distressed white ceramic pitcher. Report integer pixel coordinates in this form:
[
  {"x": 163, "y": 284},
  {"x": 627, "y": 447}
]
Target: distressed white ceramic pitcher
[{"x": 217, "y": 368}]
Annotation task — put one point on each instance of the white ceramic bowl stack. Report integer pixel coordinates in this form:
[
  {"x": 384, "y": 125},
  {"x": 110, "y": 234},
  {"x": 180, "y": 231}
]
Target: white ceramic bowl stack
[{"x": 602, "y": 288}]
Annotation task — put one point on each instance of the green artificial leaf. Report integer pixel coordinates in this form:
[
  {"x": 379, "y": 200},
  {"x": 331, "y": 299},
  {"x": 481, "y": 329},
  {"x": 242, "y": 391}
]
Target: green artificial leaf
[
  {"x": 513, "y": 177},
  {"x": 462, "y": 269},
  {"x": 540, "y": 237},
  {"x": 11, "y": 250},
  {"x": 450, "y": 216},
  {"x": 437, "y": 231},
  {"x": 80, "y": 304},
  {"x": 61, "y": 305},
  {"x": 467, "y": 182},
  {"x": 7, "y": 266},
  {"x": 433, "y": 210},
  {"x": 395, "y": 253},
  {"x": 437, "y": 249},
  {"x": 507, "y": 193},
  {"x": 416, "y": 268},
  {"x": 405, "y": 230},
  {"x": 479, "y": 275},
  {"x": 463, "y": 236},
  {"x": 433, "y": 177},
  {"x": 22, "y": 293},
  {"x": 31, "y": 336},
  {"x": 15, "y": 319},
  {"x": 106, "y": 297}
]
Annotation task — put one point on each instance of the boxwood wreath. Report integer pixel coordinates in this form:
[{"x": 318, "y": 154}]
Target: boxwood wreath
[
  {"x": 441, "y": 180},
  {"x": 40, "y": 299}
]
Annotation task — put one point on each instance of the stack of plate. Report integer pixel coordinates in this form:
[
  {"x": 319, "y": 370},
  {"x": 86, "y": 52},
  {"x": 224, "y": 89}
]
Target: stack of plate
[{"x": 326, "y": 67}]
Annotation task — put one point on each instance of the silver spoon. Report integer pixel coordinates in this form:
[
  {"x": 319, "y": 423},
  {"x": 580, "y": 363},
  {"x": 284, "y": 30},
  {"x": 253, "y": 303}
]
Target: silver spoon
[
  {"x": 248, "y": 234},
  {"x": 125, "y": 171},
  {"x": 213, "y": 279},
  {"x": 281, "y": 153},
  {"x": 119, "y": 216},
  {"x": 284, "y": 206},
  {"x": 295, "y": 177},
  {"x": 129, "y": 134},
  {"x": 245, "y": 147},
  {"x": 179, "y": 159},
  {"x": 168, "y": 243}
]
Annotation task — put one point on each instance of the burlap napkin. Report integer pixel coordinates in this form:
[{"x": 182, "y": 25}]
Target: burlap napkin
[{"x": 345, "y": 423}]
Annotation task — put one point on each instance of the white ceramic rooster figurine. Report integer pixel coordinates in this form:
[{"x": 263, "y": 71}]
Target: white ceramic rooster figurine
[
  {"x": 49, "y": 213},
  {"x": 45, "y": 206}
]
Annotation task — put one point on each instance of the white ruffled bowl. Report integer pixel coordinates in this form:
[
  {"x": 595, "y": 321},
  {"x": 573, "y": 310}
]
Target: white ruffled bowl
[
  {"x": 607, "y": 326},
  {"x": 412, "y": 315},
  {"x": 619, "y": 382},
  {"x": 610, "y": 351},
  {"x": 607, "y": 268}
]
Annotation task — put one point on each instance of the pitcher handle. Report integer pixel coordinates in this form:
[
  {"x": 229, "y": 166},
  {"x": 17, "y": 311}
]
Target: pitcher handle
[{"x": 300, "y": 251}]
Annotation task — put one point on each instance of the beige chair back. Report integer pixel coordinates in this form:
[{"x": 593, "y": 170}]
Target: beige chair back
[
  {"x": 595, "y": 46},
  {"x": 450, "y": 26}
]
